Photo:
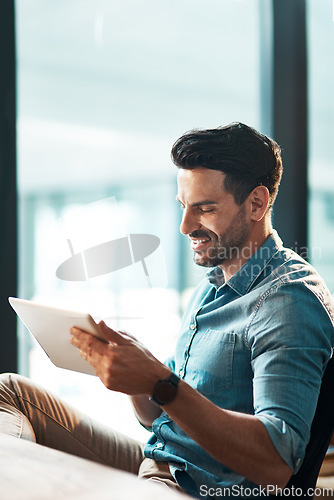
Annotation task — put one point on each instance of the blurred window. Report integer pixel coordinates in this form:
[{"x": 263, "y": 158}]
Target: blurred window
[
  {"x": 320, "y": 29},
  {"x": 104, "y": 89}
]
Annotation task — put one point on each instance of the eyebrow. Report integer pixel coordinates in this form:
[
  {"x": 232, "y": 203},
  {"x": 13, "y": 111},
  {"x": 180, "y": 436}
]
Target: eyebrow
[{"x": 199, "y": 203}]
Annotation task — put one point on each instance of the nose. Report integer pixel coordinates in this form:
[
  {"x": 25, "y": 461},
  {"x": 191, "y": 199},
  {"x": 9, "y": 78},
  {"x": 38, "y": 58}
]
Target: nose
[{"x": 189, "y": 222}]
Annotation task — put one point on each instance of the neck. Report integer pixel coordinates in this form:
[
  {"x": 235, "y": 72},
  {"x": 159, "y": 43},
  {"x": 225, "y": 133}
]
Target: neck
[{"x": 259, "y": 233}]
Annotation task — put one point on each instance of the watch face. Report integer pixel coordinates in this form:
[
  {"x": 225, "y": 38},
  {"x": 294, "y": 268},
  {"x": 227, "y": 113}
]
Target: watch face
[{"x": 164, "y": 392}]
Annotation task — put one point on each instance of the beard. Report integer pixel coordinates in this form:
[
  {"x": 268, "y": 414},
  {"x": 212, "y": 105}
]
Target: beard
[{"x": 225, "y": 246}]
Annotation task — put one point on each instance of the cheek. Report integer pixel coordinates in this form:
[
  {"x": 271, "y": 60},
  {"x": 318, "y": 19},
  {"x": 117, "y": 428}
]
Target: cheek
[{"x": 214, "y": 227}]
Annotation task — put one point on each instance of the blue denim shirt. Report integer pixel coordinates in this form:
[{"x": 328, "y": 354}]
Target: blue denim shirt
[{"x": 257, "y": 344}]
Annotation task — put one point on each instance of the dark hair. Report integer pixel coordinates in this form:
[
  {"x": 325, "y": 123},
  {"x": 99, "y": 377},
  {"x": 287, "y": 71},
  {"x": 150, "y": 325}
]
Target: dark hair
[{"x": 248, "y": 158}]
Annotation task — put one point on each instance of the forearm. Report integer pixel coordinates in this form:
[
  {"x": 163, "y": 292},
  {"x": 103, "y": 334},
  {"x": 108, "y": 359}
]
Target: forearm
[
  {"x": 237, "y": 440},
  {"x": 145, "y": 411}
]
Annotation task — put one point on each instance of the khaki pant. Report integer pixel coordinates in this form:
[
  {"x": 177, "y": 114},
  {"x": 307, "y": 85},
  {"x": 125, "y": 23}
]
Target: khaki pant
[{"x": 30, "y": 412}]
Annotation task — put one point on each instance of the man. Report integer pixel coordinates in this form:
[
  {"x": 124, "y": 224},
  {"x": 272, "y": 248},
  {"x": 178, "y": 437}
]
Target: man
[{"x": 232, "y": 409}]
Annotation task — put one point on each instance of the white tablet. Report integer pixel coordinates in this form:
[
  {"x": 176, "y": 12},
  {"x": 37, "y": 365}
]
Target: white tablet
[{"x": 50, "y": 327}]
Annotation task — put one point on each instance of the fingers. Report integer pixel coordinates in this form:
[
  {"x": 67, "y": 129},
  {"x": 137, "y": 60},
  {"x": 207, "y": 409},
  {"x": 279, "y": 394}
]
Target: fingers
[
  {"x": 83, "y": 355},
  {"x": 119, "y": 338},
  {"x": 84, "y": 341},
  {"x": 93, "y": 349},
  {"x": 88, "y": 343}
]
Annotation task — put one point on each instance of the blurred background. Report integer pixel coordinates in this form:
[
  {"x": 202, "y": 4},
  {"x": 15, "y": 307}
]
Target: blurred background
[{"x": 103, "y": 89}]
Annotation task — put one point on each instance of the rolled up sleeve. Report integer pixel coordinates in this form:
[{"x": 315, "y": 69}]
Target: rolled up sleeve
[{"x": 290, "y": 350}]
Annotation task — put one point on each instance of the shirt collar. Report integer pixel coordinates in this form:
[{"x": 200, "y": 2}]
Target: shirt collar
[{"x": 244, "y": 278}]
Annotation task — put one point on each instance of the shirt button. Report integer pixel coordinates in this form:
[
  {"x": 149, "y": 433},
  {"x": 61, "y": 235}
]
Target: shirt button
[
  {"x": 192, "y": 326},
  {"x": 298, "y": 462},
  {"x": 160, "y": 445},
  {"x": 181, "y": 372}
]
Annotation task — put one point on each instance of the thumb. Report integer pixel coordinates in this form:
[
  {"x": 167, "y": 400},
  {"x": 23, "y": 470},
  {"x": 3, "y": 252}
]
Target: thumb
[{"x": 111, "y": 335}]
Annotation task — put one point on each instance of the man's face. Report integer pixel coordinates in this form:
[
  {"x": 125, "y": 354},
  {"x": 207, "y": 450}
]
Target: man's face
[{"x": 216, "y": 225}]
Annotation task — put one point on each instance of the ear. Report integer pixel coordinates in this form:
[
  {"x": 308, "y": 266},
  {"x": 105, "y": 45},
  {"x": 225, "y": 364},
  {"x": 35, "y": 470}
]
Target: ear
[{"x": 258, "y": 203}]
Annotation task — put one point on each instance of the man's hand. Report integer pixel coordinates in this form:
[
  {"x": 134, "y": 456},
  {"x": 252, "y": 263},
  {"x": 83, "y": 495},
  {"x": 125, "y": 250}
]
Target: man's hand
[
  {"x": 125, "y": 365},
  {"x": 122, "y": 362}
]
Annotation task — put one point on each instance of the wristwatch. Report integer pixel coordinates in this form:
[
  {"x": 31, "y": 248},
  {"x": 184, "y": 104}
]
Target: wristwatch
[{"x": 165, "y": 390}]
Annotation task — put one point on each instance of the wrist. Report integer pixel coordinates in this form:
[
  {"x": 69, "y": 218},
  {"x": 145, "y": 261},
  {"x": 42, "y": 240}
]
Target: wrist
[
  {"x": 159, "y": 372},
  {"x": 165, "y": 390}
]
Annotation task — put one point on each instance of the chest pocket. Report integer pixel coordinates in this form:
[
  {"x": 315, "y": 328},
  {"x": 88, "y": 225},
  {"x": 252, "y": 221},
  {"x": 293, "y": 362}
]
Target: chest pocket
[{"x": 210, "y": 363}]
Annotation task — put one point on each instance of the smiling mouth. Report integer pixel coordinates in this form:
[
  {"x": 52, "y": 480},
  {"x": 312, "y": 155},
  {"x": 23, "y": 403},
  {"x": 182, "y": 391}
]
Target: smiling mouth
[{"x": 198, "y": 244}]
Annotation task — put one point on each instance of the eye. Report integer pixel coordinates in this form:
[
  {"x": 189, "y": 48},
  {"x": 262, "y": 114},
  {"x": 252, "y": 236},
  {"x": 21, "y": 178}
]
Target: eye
[{"x": 205, "y": 210}]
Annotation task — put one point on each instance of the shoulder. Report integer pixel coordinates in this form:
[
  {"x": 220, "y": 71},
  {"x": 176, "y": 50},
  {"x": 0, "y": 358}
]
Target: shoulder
[
  {"x": 293, "y": 303},
  {"x": 294, "y": 280}
]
